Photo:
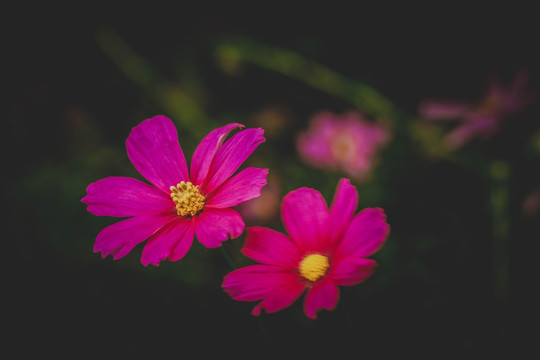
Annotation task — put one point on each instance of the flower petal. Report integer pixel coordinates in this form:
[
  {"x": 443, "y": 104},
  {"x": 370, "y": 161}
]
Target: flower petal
[
  {"x": 365, "y": 235},
  {"x": 270, "y": 247},
  {"x": 323, "y": 294},
  {"x": 213, "y": 226},
  {"x": 153, "y": 148},
  {"x": 230, "y": 156},
  {"x": 475, "y": 125},
  {"x": 352, "y": 270},
  {"x": 305, "y": 216},
  {"x": 206, "y": 150},
  {"x": 255, "y": 282},
  {"x": 244, "y": 186},
  {"x": 124, "y": 196},
  {"x": 442, "y": 110},
  {"x": 250, "y": 283},
  {"x": 172, "y": 241},
  {"x": 313, "y": 143},
  {"x": 342, "y": 209},
  {"x": 120, "y": 238}
]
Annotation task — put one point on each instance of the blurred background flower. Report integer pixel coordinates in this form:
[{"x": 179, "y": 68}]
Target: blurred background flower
[
  {"x": 484, "y": 118},
  {"x": 348, "y": 143},
  {"x": 531, "y": 203}
]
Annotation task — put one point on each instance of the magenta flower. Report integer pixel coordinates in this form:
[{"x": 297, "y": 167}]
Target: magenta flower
[
  {"x": 483, "y": 119},
  {"x": 347, "y": 143},
  {"x": 180, "y": 204},
  {"x": 325, "y": 248}
]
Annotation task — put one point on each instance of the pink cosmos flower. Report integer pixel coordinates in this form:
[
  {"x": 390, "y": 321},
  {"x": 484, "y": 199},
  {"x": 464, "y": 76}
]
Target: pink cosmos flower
[
  {"x": 347, "y": 143},
  {"x": 325, "y": 248},
  {"x": 485, "y": 118},
  {"x": 181, "y": 204}
]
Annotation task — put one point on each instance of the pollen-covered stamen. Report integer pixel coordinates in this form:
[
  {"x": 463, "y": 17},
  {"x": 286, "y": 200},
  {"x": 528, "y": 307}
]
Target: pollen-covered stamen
[
  {"x": 313, "y": 266},
  {"x": 188, "y": 199}
]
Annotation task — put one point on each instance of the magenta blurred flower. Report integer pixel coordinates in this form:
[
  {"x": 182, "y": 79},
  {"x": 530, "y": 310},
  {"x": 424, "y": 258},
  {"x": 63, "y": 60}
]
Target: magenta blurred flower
[
  {"x": 483, "y": 119},
  {"x": 325, "y": 248},
  {"x": 180, "y": 204},
  {"x": 347, "y": 143}
]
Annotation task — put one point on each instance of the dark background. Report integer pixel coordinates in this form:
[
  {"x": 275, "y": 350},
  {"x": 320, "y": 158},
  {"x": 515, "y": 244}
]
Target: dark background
[{"x": 68, "y": 109}]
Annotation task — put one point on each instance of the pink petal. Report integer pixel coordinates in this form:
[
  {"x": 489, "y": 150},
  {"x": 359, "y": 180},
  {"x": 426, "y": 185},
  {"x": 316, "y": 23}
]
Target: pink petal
[
  {"x": 124, "y": 196},
  {"x": 205, "y": 152},
  {"x": 213, "y": 226},
  {"x": 250, "y": 283},
  {"x": 313, "y": 145},
  {"x": 153, "y": 148},
  {"x": 244, "y": 186},
  {"x": 323, "y": 294},
  {"x": 230, "y": 156},
  {"x": 442, "y": 110},
  {"x": 365, "y": 235},
  {"x": 172, "y": 241},
  {"x": 342, "y": 209},
  {"x": 352, "y": 270},
  {"x": 475, "y": 125},
  {"x": 120, "y": 238},
  {"x": 315, "y": 149},
  {"x": 270, "y": 247},
  {"x": 305, "y": 216},
  {"x": 255, "y": 282}
]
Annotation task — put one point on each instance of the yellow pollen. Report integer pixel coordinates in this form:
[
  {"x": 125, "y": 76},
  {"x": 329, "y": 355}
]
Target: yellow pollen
[
  {"x": 188, "y": 199},
  {"x": 313, "y": 266}
]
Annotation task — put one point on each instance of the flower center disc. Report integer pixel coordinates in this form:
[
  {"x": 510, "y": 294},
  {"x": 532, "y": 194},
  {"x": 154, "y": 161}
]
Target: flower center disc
[
  {"x": 344, "y": 147},
  {"x": 314, "y": 266},
  {"x": 188, "y": 199}
]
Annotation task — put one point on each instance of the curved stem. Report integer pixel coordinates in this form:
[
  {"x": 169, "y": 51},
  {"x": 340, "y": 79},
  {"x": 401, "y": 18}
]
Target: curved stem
[
  {"x": 499, "y": 174},
  {"x": 228, "y": 259},
  {"x": 232, "y": 265}
]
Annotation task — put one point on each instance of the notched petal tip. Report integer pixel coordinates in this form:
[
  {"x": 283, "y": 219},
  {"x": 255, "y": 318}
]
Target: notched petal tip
[
  {"x": 379, "y": 214},
  {"x": 312, "y": 314},
  {"x": 89, "y": 189},
  {"x": 146, "y": 263},
  {"x": 256, "y": 310},
  {"x": 261, "y": 131}
]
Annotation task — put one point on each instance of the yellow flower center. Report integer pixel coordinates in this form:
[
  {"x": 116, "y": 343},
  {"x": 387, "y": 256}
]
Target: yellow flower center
[
  {"x": 313, "y": 266},
  {"x": 344, "y": 147},
  {"x": 188, "y": 199}
]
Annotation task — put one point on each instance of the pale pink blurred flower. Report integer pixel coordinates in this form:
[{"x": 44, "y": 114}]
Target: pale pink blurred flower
[
  {"x": 348, "y": 143},
  {"x": 484, "y": 118}
]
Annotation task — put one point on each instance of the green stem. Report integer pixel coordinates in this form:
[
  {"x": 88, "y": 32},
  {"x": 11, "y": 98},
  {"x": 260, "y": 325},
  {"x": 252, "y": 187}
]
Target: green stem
[
  {"x": 315, "y": 75},
  {"x": 500, "y": 173},
  {"x": 228, "y": 259},
  {"x": 232, "y": 265},
  {"x": 352, "y": 328},
  {"x": 183, "y": 106}
]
